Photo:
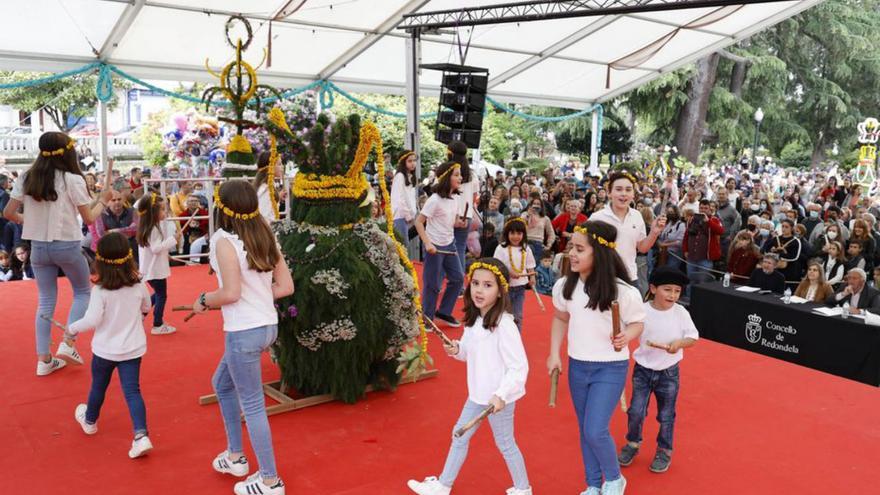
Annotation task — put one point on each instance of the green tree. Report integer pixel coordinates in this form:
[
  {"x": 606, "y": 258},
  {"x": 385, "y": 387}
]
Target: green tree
[{"x": 66, "y": 101}]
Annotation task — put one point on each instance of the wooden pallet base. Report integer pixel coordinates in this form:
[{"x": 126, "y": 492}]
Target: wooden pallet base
[{"x": 277, "y": 392}]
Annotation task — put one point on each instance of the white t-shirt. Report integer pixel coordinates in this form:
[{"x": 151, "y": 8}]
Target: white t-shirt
[
  {"x": 465, "y": 200},
  {"x": 256, "y": 306},
  {"x": 589, "y": 331},
  {"x": 117, "y": 317},
  {"x": 662, "y": 327},
  {"x": 53, "y": 220},
  {"x": 403, "y": 198},
  {"x": 502, "y": 255},
  {"x": 496, "y": 361},
  {"x": 440, "y": 213},
  {"x": 154, "y": 259},
  {"x": 630, "y": 232}
]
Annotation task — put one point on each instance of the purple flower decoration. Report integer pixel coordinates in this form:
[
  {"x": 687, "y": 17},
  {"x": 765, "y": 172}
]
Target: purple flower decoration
[{"x": 292, "y": 311}]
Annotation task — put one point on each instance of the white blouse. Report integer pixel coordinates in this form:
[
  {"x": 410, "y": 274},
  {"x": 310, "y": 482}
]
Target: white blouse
[
  {"x": 54, "y": 220},
  {"x": 155, "y": 259},
  {"x": 117, "y": 317},
  {"x": 496, "y": 361},
  {"x": 256, "y": 306}
]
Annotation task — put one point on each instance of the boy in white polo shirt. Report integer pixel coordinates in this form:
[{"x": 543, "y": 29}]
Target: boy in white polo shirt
[{"x": 668, "y": 330}]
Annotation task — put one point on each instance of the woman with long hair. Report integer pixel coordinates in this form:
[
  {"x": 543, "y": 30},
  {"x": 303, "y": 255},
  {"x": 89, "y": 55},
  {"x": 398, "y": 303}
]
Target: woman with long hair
[
  {"x": 53, "y": 192},
  {"x": 456, "y": 152},
  {"x": 743, "y": 256},
  {"x": 403, "y": 194},
  {"x": 813, "y": 287}
]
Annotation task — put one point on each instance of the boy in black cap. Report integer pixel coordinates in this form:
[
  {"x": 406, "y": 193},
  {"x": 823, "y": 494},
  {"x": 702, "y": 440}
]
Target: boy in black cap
[{"x": 668, "y": 330}]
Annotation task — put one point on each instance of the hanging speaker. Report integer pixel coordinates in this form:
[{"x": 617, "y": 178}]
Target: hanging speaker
[{"x": 462, "y": 103}]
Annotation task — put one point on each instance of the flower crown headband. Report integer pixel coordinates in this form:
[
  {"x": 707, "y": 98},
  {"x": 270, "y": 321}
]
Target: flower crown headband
[
  {"x": 629, "y": 176},
  {"x": 114, "y": 261},
  {"x": 479, "y": 265},
  {"x": 404, "y": 156},
  {"x": 448, "y": 171},
  {"x": 514, "y": 219},
  {"x": 601, "y": 240},
  {"x": 60, "y": 151},
  {"x": 228, "y": 211}
]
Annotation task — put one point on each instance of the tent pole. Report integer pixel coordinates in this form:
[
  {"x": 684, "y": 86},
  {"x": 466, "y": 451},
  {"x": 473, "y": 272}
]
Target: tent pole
[
  {"x": 413, "y": 54},
  {"x": 102, "y": 135},
  {"x": 594, "y": 144}
]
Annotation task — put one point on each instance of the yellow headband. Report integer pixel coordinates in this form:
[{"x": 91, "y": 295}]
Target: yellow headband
[
  {"x": 228, "y": 212},
  {"x": 479, "y": 265},
  {"x": 60, "y": 151},
  {"x": 114, "y": 261},
  {"x": 629, "y": 176},
  {"x": 448, "y": 171},
  {"x": 514, "y": 219},
  {"x": 599, "y": 239},
  {"x": 405, "y": 156},
  {"x": 449, "y": 153},
  {"x": 152, "y": 199}
]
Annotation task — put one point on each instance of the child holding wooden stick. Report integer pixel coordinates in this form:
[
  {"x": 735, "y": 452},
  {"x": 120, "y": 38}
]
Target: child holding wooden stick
[
  {"x": 598, "y": 360},
  {"x": 668, "y": 329},
  {"x": 117, "y": 305},
  {"x": 155, "y": 238},
  {"x": 497, "y": 368},
  {"x": 517, "y": 256},
  {"x": 251, "y": 273}
]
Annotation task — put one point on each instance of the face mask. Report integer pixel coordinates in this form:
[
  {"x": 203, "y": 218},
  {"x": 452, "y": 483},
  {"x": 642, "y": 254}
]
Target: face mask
[
  {"x": 763, "y": 206},
  {"x": 755, "y": 207},
  {"x": 832, "y": 235},
  {"x": 648, "y": 201},
  {"x": 751, "y": 227},
  {"x": 764, "y": 232},
  {"x": 515, "y": 211},
  {"x": 814, "y": 214}
]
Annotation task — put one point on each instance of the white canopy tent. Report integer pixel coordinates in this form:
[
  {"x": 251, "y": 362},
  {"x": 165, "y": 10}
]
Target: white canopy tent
[{"x": 357, "y": 45}]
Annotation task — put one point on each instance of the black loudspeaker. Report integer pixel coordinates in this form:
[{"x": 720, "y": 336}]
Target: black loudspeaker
[{"x": 462, "y": 103}]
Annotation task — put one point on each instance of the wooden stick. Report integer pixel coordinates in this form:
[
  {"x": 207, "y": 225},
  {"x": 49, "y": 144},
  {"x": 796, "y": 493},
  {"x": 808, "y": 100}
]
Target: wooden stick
[
  {"x": 554, "y": 385},
  {"x": 538, "y": 297},
  {"x": 54, "y": 322},
  {"x": 655, "y": 345},
  {"x": 474, "y": 422},
  {"x": 615, "y": 322},
  {"x": 189, "y": 308},
  {"x": 623, "y": 406},
  {"x": 450, "y": 253},
  {"x": 446, "y": 340}
]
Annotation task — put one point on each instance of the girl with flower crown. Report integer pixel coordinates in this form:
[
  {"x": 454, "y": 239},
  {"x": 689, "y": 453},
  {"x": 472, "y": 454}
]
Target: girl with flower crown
[
  {"x": 156, "y": 237},
  {"x": 251, "y": 273},
  {"x": 597, "y": 360},
  {"x": 497, "y": 368},
  {"x": 515, "y": 253},
  {"x": 116, "y": 309}
]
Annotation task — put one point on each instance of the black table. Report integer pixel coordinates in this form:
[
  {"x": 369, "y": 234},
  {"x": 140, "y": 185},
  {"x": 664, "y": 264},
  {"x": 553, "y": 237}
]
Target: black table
[{"x": 762, "y": 323}]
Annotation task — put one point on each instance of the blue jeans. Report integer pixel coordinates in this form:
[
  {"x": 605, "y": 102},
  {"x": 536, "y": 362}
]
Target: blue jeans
[
  {"x": 596, "y": 387},
  {"x": 502, "y": 430},
  {"x": 696, "y": 267},
  {"x": 46, "y": 259},
  {"x": 517, "y": 298},
  {"x": 402, "y": 229},
  {"x": 239, "y": 386},
  {"x": 158, "y": 298},
  {"x": 129, "y": 377},
  {"x": 664, "y": 385},
  {"x": 436, "y": 265},
  {"x": 461, "y": 236},
  {"x": 537, "y": 250}
]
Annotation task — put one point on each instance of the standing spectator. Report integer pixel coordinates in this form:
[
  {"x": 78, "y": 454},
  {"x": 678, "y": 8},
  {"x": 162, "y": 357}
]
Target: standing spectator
[
  {"x": 494, "y": 217},
  {"x": 177, "y": 201},
  {"x": 136, "y": 183},
  {"x": 669, "y": 242},
  {"x": 743, "y": 257},
  {"x": 4, "y": 198},
  {"x": 730, "y": 218},
  {"x": 862, "y": 235},
  {"x": 702, "y": 243},
  {"x": 53, "y": 191},
  {"x": 565, "y": 223},
  {"x": 539, "y": 228},
  {"x": 788, "y": 247}
]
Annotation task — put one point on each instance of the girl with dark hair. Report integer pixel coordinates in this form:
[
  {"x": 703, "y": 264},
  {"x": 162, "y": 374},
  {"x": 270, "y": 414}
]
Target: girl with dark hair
[
  {"x": 539, "y": 227},
  {"x": 469, "y": 190},
  {"x": 435, "y": 225},
  {"x": 265, "y": 190},
  {"x": 497, "y": 368},
  {"x": 155, "y": 238},
  {"x": 21, "y": 262},
  {"x": 252, "y": 274},
  {"x": 403, "y": 195},
  {"x": 516, "y": 255},
  {"x": 598, "y": 360},
  {"x": 53, "y": 192},
  {"x": 118, "y": 304}
]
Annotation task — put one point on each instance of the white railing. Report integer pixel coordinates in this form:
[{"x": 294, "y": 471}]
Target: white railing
[{"x": 26, "y": 146}]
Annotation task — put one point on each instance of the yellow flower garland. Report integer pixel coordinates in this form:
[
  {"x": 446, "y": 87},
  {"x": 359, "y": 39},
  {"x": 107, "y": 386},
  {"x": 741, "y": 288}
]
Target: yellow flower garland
[
  {"x": 522, "y": 268},
  {"x": 373, "y": 134},
  {"x": 228, "y": 211},
  {"x": 479, "y": 265},
  {"x": 599, "y": 239},
  {"x": 270, "y": 177},
  {"x": 114, "y": 261},
  {"x": 60, "y": 151}
]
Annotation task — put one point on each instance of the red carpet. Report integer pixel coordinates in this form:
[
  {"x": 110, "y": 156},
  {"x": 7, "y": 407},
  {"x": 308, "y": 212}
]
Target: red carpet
[{"x": 746, "y": 423}]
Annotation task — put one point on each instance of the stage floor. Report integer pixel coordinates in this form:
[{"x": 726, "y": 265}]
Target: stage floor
[{"x": 746, "y": 424}]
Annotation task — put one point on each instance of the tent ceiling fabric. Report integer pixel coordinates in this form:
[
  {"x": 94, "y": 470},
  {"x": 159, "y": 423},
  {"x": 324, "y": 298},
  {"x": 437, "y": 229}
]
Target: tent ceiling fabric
[{"x": 354, "y": 43}]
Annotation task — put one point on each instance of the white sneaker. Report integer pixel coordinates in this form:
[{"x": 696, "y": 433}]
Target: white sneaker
[
  {"x": 615, "y": 487},
  {"x": 431, "y": 486},
  {"x": 254, "y": 485},
  {"x": 591, "y": 491},
  {"x": 140, "y": 447},
  {"x": 80, "y": 415},
  {"x": 222, "y": 464},
  {"x": 68, "y": 353},
  {"x": 164, "y": 329},
  {"x": 516, "y": 491},
  {"x": 53, "y": 365}
]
